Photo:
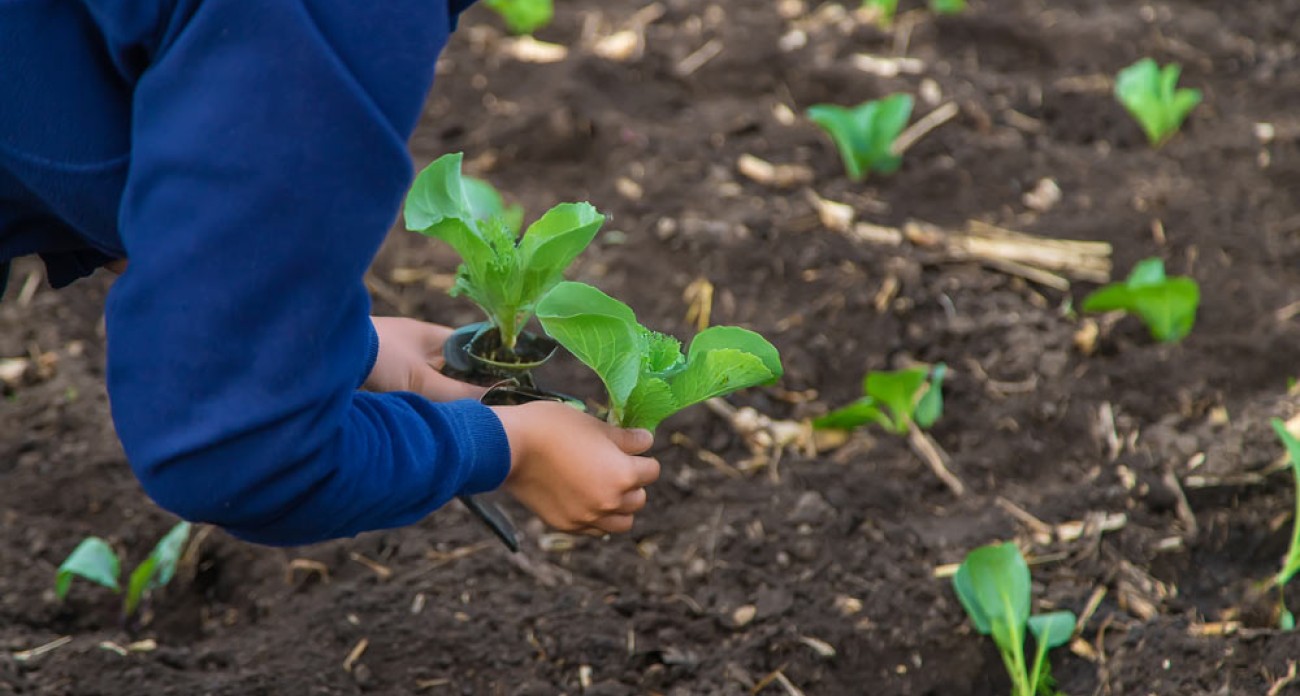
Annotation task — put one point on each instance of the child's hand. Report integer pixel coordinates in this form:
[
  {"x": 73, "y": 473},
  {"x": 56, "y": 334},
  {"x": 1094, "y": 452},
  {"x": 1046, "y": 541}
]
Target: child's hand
[
  {"x": 574, "y": 471},
  {"x": 410, "y": 354}
]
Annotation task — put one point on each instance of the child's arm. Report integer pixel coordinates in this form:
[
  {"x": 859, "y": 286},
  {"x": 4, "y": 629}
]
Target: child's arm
[{"x": 268, "y": 162}]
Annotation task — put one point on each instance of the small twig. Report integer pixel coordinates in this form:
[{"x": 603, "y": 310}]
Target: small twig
[
  {"x": 923, "y": 126},
  {"x": 929, "y": 451},
  {"x": 1037, "y": 526},
  {"x": 696, "y": 60},
  {"x": 1286, "y": 679},
  {"x": 1183, "y": 508},
  {"x": 51, "y": 646},
  {"x": 382, "y": 571},
  {"x": 351, "y": 660},
  {"x": 768, "y": 679}
]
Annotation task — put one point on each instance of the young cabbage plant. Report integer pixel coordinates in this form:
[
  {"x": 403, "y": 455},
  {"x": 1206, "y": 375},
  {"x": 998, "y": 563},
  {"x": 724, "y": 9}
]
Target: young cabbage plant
[
  {"x": 993, "y": 586},
  {"x": 1292, "y": 563},
  {"x": 893, "y": 400},
  {"x": 1151, "y": 95},
  {"x": 95, "y": 560},
  {"x": 503, "y": 273},
  {"x": 884, "y": 10},
  {"x": 1166, "y": 305},
  {"x": 645, "y": 373},
  {"x": 947, "y": 6},
  {"x": 523, "y": 16},
  {"x": 865, "y": 134}
]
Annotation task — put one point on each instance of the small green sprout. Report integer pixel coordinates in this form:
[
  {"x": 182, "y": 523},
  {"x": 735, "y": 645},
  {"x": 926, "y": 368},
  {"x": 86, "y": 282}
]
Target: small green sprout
[
  {"x": 523, "y": 16},
  {"x": 1166, "y": 305},
  {"x": 947, "y": 7},
  {"x": 647, "y": 376},
  {"x": 1151, "y": 96},
  {"x": 894, "y": 400},
  {"x": 503, "y": 273},
  {"x": 865, "y": 134},
  {"x": 884, "y": 10},
  {"x": 1292, "y": 563},
  {"x": 993, "y": 586},
  {"x": 95, "y": 560}
]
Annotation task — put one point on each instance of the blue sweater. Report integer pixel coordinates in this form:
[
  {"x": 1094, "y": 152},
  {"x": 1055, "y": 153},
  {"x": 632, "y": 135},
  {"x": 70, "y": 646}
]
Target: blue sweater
[{"x": 248, "y": 158}]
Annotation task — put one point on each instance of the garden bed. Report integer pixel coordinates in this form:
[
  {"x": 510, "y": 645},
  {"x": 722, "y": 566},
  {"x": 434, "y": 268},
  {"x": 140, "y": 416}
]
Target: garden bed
[{"x": 817, "y": 572}]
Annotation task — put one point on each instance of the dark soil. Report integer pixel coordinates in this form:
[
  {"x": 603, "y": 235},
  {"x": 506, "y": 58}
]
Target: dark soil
[{"x": 739, "y": 578}]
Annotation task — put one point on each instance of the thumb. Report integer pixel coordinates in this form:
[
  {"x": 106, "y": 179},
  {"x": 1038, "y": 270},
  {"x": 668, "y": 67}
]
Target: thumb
[
  {"x": 436, "y": 386},
  {"x": 632, "y": 441}
]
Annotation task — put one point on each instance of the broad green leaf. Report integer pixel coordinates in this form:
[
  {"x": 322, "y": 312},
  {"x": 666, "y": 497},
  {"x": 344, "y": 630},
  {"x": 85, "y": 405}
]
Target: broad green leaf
[
  {"x": 483, "y": 199},
  {"x": 438, "y": 193},
  {"x": 1151, "y": 96},
  {"x": 1053, "y": 629},
  {"x": 168, "y": 553},
  {"x": 717, "y": 372},
  {"x": 92, "y": 560},
  {"x": 1111, "y": 298},
  {"x": 600, "y": 331},
  {"x": 1286, "y": 620},
  {"x": 1146, "y": 272},
  {"x": 1169, "y": 309},
  {"x": 552, "y": 243},
  {"x": 930, "y": 408},
  {"x": 993, "y": 586},
  {"x": 523, "y": 16},
  {"x": 858, "y": 413},
  {"x": 650, "y": 402},
  {"x": 897, "y": 391},
  {"x": 138, "y": 585},
  {"x": 865, "y": 135},
  {"x": 744, "y": 340}
]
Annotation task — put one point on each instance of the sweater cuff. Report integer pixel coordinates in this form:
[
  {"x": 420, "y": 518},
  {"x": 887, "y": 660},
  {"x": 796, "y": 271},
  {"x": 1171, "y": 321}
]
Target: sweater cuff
[
  {"x": 372, "y": 354},
  {"x": 489, "y": 454}
]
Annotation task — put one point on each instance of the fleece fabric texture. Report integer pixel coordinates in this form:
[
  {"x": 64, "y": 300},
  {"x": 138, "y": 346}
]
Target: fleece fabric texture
[{"x": 248, "y": 158}]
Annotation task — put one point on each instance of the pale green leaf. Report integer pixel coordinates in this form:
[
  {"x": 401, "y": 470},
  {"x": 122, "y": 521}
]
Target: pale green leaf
[
  {"x": 1146, "y": 272},
  {"x": 865, "y": 134},
  {"x": 523, "y": 16},
  {"x": 1053, "y": 629},
  {"x": 716, "y": 373},
  {"x": 650, "y": 402},
  {"x": 930, "y": 407},
  {"x": 92, "y": 560},
  {"x": 897, "y": 391},
  {"x": 993, "y": 586},
  {"x": 600, "y": 331},
  {"x": 856, "y": 414},
  {"x": 744, "y": 340}
]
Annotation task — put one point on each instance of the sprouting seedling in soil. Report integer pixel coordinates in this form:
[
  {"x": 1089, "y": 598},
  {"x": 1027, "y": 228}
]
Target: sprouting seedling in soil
[
  {"x": 1166, "y": 305},
  {"x": 947, "y": 6},
  {"x": 1292, "y": 563},
  {"x": 523, "y": 16},
  {"x": 865, "y": 134},
  {"x": 884, "y": 10},
  {"x": 95, "y": 560},
  {"x": 894, "y": 400},
  {"x": 645, "y": 373},
  {"x": 1151, "y": 95},
  {"x": 504, "y": 274},
  {"x": 993, "y": 586}
]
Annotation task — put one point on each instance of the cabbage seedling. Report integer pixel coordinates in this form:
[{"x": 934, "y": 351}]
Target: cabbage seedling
[
  {"x": 1151, "y": 95},
  {"x": 95, "y": 560},
  {"x": 1292, "y": 563},
  {"x": 993, "y": 586},
  {"x": 501, "y": 272},
  {"x": 865, "y": 134},
  {"x": 523, "y": 16},
  {"x": 645, "y": 373},
  {"x": 1166, "y": 305},
  {"x": 893, "y": 400},
  {"x": 884, "y": 10}
]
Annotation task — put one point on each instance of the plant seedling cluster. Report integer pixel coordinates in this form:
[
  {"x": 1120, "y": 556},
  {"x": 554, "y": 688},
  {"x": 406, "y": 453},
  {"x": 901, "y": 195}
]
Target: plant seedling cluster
[
  {"x": 94, "y": 560},
  {"x": 893, "y": 400},
  {"x": 1292, "y": 563},
  {"x": 1151, "y": 95},
  {"x": 1166, "y": 305},
  {"x": 523, "y": 16},
  {"x": 645, "y": 373},
  {"x": 993, "y": 586},
  {"x": 865, "y": 134},
  {"x": 506, "y": 275}
]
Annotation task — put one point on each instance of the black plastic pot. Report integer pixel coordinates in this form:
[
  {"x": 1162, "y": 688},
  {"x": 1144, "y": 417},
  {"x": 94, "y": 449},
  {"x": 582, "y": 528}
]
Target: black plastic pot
[{"x": 474, "y": 353}]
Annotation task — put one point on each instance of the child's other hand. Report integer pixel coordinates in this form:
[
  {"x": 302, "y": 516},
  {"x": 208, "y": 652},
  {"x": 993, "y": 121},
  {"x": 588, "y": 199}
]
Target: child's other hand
[
  {"x": 410, "y": 354},
  {"x": 577, "y": 473}
]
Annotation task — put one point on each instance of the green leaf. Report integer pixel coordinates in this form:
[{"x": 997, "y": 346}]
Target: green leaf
[
  {"x": 1146, "y": 272},
  {"x": 865, "y": 135},
  {"x": 743, "y": 340},
  {"x": 993, "y": 586},
  {"x": 1151, "y": 96},
  {"x": 947, "y": 6},
  {"x": 92, "y": 560},
  {"x": 897, "y": 391},
  {"x": 858, "y": 413},
  {"x": 1286, "y": 620},
  {"x": 523, "y": 16},
  {"x": 438, "y": 193},
  {"x": 1292, "y": 562},
  {"x": 716, "y": 372},
  {"x": 1166, "y": 305},
  {"x": 663, "y": 355},
  {"x": 1111, "y": 298},
  {"x": 651, "y": 401},
  {"x": 552, "y": 243},
  {"x": 600, "y": 331},
  {"x": 930, "y": 408},
  {"x": 159, "y": 568},
  {"x": 1053, "y": 629},
  {"x": 885, "y": 9}
]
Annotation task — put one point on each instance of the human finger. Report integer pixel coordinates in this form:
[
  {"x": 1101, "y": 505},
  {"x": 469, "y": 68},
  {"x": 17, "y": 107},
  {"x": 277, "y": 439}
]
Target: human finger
[
  {"x": 632, "y": 501},
  {"x": 631, "y": 441}
]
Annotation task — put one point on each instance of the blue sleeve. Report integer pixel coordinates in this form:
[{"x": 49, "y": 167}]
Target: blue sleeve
[{"x": 268, "y": 162}]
